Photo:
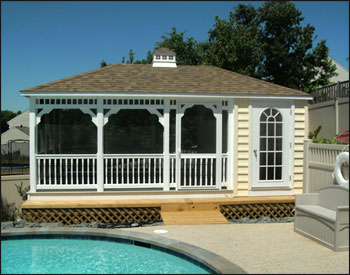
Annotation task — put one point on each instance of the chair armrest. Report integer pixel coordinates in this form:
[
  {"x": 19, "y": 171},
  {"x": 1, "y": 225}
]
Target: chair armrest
[
  {"x": 343, "y": 215},
  {"x": 306, "y": 199}
]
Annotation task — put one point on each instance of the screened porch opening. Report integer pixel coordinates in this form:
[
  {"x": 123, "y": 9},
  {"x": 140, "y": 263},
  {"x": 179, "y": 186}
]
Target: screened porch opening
[
  {"x": 67, "y": 144},
  {"x": 133, "y": 149},
  {"x": 198, "y": 148},
  {"x": 130, "y": 144}
]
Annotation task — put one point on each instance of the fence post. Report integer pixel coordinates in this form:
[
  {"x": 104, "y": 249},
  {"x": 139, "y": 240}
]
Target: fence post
[
  {"x": 306, "y": 178},
  {"x": 336, "y": 105}
]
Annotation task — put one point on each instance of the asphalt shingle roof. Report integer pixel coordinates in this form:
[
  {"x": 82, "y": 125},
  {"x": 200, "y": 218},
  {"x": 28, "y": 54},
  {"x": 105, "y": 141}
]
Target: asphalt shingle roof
[{"x": 143, "y": 78}]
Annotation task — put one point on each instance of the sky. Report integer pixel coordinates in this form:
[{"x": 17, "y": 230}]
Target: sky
[{"x": 46, "y": 41}]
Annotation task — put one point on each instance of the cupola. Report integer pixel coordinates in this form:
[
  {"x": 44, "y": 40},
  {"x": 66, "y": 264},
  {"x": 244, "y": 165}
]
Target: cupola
[{"x": 164, "y": 57}]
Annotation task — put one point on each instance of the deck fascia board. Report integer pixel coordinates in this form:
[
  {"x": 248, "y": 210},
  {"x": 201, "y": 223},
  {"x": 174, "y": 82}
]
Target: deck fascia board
[{"x": 153, "y": 202}]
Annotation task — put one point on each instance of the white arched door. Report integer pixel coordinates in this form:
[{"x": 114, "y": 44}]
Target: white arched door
[{"x": 271, "y": 145}]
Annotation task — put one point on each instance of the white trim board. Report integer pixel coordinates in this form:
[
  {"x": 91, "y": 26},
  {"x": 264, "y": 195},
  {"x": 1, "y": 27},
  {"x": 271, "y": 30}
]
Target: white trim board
[{"x": 162, "y": 95}]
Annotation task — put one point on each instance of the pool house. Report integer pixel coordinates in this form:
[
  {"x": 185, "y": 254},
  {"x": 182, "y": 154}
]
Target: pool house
[{"x": 162, "y": 131}]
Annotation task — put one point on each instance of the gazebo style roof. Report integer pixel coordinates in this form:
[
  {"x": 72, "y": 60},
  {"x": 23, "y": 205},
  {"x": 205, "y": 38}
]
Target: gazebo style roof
[{"x": 143, "y": 78}]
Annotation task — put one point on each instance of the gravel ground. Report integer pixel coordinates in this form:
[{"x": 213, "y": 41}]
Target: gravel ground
[
  {"x": 260, "y": 248},
  {"x": 25, "y": 224}
]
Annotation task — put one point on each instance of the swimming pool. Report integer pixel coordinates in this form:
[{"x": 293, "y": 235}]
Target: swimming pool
[
  {"x": 62, "y": 254},
  {"x": 203, "y": 260}
]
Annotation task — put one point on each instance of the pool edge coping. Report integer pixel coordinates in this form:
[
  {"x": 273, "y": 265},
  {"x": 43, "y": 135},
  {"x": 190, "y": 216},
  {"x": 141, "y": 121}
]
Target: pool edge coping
[{"x": 217, "y": 263}]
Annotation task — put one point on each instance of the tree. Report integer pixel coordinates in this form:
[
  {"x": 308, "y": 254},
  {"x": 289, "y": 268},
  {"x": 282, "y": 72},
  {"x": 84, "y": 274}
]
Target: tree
[
  {"x": 234, "y": 45},
  {"x": 187, "y": 51},
  {"x": 131, "y": 57},
  {"x": 103, "y": 63},
  {"x": 5, "y": 117},
  {"x": 288, "y": 56},
  {"x": 269, "y": 43}
]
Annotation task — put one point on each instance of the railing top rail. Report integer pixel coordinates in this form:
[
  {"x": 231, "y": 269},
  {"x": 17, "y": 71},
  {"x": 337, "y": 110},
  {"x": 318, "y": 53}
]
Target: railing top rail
[
  {"x": 329, "y": 146},
  {"x": 66, "y": 156},
  {"x": 198, "y": 155},
  {"x": 133, "y": 155},
  {"x": 330, "y": 92}
]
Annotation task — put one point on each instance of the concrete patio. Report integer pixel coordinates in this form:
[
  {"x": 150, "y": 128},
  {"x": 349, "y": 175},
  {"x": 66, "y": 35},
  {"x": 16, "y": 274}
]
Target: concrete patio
[{"x": 259, "y": 248}]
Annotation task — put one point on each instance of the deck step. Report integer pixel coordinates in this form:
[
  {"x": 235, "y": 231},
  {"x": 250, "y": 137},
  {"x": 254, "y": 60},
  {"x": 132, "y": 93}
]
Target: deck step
[{"x": 192, "y": 214}]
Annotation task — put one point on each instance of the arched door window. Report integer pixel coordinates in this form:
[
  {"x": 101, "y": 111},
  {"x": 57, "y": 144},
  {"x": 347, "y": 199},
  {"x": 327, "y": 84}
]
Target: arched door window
[{"x": 270, "y": 145}]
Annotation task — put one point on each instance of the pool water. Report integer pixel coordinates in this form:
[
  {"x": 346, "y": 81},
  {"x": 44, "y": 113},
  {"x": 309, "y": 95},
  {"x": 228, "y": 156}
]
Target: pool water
[{"x": 76, "y": 256}]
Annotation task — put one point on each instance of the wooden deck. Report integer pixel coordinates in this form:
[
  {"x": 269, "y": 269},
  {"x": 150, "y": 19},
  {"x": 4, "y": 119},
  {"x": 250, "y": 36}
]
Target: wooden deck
[
  {"x": 182, "y": 211},
  {"x": 192, "y": 213},
  {"x": 153, "y": 202}
]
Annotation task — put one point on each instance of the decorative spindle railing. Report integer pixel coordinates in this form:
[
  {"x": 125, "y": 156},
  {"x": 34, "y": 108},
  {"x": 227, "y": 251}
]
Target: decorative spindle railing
[
  {"x": 130, "y": 171},
  {"x": 127, "y": 171},
  {"x": 66, "y": 172}
]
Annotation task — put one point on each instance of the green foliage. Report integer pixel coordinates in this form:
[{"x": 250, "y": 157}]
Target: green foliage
[
  {"x": 22, "y": 191},
  {"x": 5, "y": 117},
  {"x": 288, "y": 57},
  {"x": 323, "y": 68},
  {"x": 9, "y": 211},
  {"x": 268, "y": 43},
  {"x": 188, "y": 52},
  {"x": 131, "y": 57},
  {"x": 327, "y": 141},
  {"x": 103, "y": 63},
  {"x": 313, "y": 135},
  {"x": 234, "y": 44}
]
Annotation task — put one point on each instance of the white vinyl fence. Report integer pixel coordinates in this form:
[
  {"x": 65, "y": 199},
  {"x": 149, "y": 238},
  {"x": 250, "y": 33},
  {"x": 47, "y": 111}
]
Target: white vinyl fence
[{"x": 319, "y": 160}]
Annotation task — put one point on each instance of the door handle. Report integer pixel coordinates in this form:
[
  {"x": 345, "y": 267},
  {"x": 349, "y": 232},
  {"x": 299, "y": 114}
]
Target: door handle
[{"x": 255, "y": 152}]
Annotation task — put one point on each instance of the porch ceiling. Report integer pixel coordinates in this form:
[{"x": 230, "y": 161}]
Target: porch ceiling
[{"x": 141, "y": 78}]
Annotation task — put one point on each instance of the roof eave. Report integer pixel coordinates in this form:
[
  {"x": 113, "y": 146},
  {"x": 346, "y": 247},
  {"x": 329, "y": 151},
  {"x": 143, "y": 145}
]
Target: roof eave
[{"x": 159, "y": 94}]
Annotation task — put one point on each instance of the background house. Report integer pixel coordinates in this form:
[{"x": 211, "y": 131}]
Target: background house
[
  {"x": 330, "y": 107},
  {"x": 15, "y": 141}
]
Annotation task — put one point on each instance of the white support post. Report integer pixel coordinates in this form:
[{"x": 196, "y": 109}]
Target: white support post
[
  {"x": 230, "y": 145},
  {"x": 235, "y": 148},
  {"x": 218, "y": 116},
  {"x": 179, "y": 115},
  {"x": 99, "y": 155},
  {"x": 32, "y": 147},
  {"x": 166, "y": 140}
]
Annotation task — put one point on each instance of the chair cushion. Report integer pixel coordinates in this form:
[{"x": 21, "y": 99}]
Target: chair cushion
[{"x": 318, "y": 211}]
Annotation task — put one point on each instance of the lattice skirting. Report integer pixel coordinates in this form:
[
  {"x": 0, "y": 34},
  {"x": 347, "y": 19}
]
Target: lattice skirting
[
  {"x": 69, "y": 216},
  {"x": 258, "y": 210}
]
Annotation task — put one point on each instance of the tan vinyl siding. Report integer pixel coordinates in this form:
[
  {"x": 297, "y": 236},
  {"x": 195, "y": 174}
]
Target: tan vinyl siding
[
  {"x": 300, "y": 132},
  {"x": 242, "y": 147}
]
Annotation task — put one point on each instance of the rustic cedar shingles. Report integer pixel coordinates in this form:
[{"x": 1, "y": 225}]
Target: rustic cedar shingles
[{"x": 143, "y": 78}]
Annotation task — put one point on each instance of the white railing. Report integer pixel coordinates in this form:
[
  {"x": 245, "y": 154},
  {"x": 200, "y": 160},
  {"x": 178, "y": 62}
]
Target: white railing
[
  {"x": 66, "y": 171},
  {"x": 128, "y": 171},
  {"x": 198, "y": 171},
  {"x": 319, "y": 162}
]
